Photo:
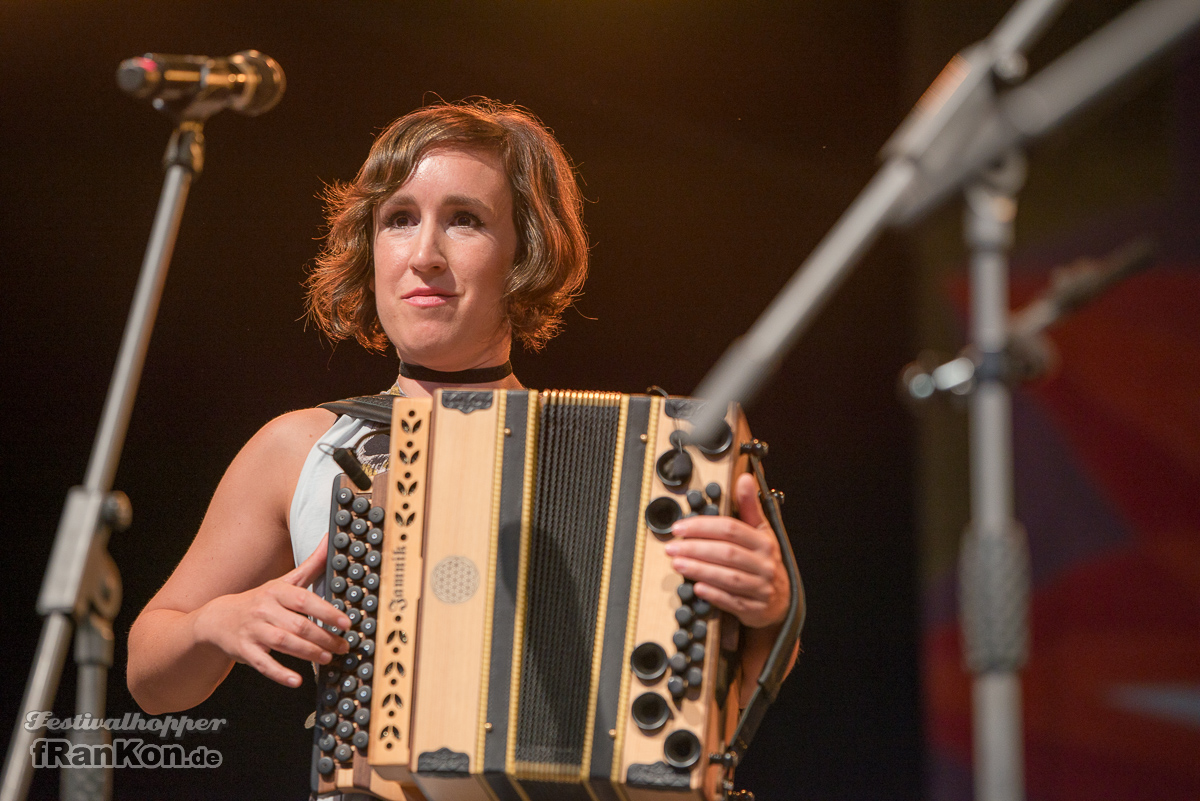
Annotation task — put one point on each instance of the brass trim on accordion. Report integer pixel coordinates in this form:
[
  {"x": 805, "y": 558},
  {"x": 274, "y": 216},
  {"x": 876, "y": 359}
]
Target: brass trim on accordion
[{"x": 518, "y": 630}]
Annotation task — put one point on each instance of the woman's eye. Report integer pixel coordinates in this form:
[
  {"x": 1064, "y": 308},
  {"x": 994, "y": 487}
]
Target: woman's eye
[
  {"x": 400, "y": 219},
  {"x": 465, "y": 219}
]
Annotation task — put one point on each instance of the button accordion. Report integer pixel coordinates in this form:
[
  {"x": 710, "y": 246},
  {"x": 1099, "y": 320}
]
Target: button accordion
[{"x": 517, "y": 629}]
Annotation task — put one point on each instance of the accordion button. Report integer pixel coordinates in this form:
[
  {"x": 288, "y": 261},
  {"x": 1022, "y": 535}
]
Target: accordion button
[
  {"x": 679, "y": 663},
  {"x": 343, "y": 753},
  {"x": 694, "y": 677},
  {"x": 359, "y": 527},
  {"x": 361, "y": 740},
  {"x": 681, "y": 638},
  {"x": 712, "y": 510},
  {"x": 346, "y": 708},
  {"x": 326, "y": 743},
  {"x": 337, "y": 585},
  {"x": 720, "y": 442},
  {"x": 329, "y": 697},
  {"x": 368, "y": 626},
  {"x": 650, "y": 711},
  {"x": 674, "y": 468},
  {"x": 695, "y": 499},
  {"x": 661, "y": 514},
  {"x": 699, "y": 630},
  {"x": 376, "y": 514},
  {"x": 337, "y": 604},
  {"x": 352, "y": 639},
  {"x": 339, "y": 561},
  {"x": 324, "y": 766},
  {"x": 344, "y": 496},
  {"x": 363, "y": 694},
  {"x": 340, "y": 540},
  {"x": 365, "y": 670},
  {"x": 681, "y": 749},
  {"x": 328, "y": 720},
  {"x": 370, "y": 603},
  {"x": 683, "y": 614},
  {"x": 648, "y": 661},
  {"x": 367, "y": 647},
  {"x": 355, "y": 572},
  {"x": 696, "y": 652},
  {"x": 357, "y": 549},
  {"x": 345, "y": 730},
  {"x": 342, "y": 518},
  {"x": 371, "y": 582},
  {"x": 360, "y": 505},
  {"x": 677, "y": 687},
  {"x": 702, "y": 608},
  {"x": 375, "y": 535},
  {"x": 362, "y": 717},
  {"x": 686, "y": 592},
  {"x": 374, "y": 558},
  {"x": 713, "y": 491},
  {"x": 353, "y": 595},
  {"x": 355, "y": 616}
]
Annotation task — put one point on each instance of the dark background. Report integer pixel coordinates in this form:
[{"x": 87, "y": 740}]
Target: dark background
[{"x": 716, "y": 143}]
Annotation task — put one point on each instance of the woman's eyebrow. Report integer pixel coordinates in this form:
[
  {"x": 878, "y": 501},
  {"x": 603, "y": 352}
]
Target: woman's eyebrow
[{"x": 466, "y": 200}]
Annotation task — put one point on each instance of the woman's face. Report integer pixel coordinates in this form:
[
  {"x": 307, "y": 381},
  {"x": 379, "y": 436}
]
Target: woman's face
[{"x": 444, "y": 244}]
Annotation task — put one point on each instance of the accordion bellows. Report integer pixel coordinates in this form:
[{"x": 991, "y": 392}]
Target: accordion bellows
[{"x": 518, "y": 631}]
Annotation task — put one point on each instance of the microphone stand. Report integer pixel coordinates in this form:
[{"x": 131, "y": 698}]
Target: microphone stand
[
  {"x": 81, "y": 590},
  {"x": 958, "y": 130}
]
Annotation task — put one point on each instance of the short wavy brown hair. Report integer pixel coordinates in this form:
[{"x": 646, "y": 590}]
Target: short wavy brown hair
[{"x": 551, "y": 260}]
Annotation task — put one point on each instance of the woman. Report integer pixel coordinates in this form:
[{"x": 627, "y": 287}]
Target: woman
[{"x": 461, "y": 231}]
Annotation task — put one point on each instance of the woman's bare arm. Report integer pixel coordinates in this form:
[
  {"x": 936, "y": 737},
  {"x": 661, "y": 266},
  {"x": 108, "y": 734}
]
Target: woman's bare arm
[{"x": 235, "y": 595}]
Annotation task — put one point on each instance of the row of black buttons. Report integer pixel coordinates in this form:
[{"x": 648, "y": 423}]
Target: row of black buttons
[{"x": 344, "y": 713}]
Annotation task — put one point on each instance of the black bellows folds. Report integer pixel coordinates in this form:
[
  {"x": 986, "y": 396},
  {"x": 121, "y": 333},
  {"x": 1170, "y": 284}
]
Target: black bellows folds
[{"x": 569, "y": 520}]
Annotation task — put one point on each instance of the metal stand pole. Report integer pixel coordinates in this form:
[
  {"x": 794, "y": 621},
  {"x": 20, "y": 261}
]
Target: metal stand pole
[
  {"x": 994, "y": 563},
  {"x": 81, "y": 582}
]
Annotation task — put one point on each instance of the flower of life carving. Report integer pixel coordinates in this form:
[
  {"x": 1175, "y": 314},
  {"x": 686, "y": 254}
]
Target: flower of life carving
[{"x": 454, "y": 579}]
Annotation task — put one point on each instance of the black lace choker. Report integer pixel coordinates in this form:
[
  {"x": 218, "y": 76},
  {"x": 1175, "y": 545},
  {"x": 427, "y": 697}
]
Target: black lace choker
[{"x": 482, "y": 375}]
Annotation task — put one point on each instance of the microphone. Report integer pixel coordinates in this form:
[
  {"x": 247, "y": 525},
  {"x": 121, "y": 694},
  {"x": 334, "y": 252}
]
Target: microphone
[{"x": 198, "y": 86}]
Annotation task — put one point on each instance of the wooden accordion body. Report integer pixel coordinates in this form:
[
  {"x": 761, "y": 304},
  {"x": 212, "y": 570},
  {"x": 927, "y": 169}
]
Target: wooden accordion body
[{"x": 519, "y": 632}]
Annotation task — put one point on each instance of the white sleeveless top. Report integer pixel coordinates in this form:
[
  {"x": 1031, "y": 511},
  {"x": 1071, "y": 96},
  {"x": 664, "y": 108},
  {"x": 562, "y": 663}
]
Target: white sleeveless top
[{"x": 308, "y": 519}]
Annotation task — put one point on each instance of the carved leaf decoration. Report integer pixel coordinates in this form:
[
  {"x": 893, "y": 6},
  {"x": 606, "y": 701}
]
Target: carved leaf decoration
[
  {"x": 403, "y": 636},
  {"x": 403, "y": 457},
  {"x": 400, "y": 519},
  {"x": 389, "y": 731},
  {"x": 400, "y": 488},
  {"x": 416, "y": 426},
  {"x": 412, "y": 488},
  {"x": 413, "y": 459},
  {"x": 393, "y": 635},
  {"x": 394, "y": 666},
  {"x": 404, "y": 426},
  {"x": 410, "y": 518},
  {"x": 392, "y": 699}
]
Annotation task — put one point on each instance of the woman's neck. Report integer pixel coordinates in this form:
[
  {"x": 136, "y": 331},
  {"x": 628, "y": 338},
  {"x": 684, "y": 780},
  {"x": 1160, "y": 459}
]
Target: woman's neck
[{"x": 414, "y": 388}]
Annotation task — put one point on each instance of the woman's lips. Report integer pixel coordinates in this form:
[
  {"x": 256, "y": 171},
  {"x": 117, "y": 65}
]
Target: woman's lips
[{"x": 426, "y": 297}]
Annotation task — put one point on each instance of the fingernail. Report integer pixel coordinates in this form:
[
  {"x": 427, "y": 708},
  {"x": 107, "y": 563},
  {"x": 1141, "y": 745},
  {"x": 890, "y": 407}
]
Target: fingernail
[
  {"x": 344, "y": 623},
  {"x": 293, "y": 681},
  {"x": 671, "y": 548},
  {"x": 325, "y": 658},
  {"x": 680, "y": 565}
]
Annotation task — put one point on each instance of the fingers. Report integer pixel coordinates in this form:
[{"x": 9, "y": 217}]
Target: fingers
[
  {"x": 297, "y": 599},
  {"x": 311, "y": 569},
  {"x": 749, "y": 504},
  {"x": 735, "y": 563}
]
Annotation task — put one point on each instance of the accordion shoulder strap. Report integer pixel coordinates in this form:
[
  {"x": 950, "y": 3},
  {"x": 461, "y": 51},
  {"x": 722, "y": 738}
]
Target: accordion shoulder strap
[{"x": 376, "y": 408}]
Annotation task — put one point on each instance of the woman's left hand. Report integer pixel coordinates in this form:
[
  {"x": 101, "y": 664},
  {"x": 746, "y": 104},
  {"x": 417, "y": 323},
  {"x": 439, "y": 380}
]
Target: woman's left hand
[{"x": 735, "y": 562}]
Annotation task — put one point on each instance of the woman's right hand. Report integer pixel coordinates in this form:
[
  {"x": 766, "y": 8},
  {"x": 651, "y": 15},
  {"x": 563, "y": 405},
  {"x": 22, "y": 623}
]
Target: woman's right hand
[{"x": 274, "y": 616}]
